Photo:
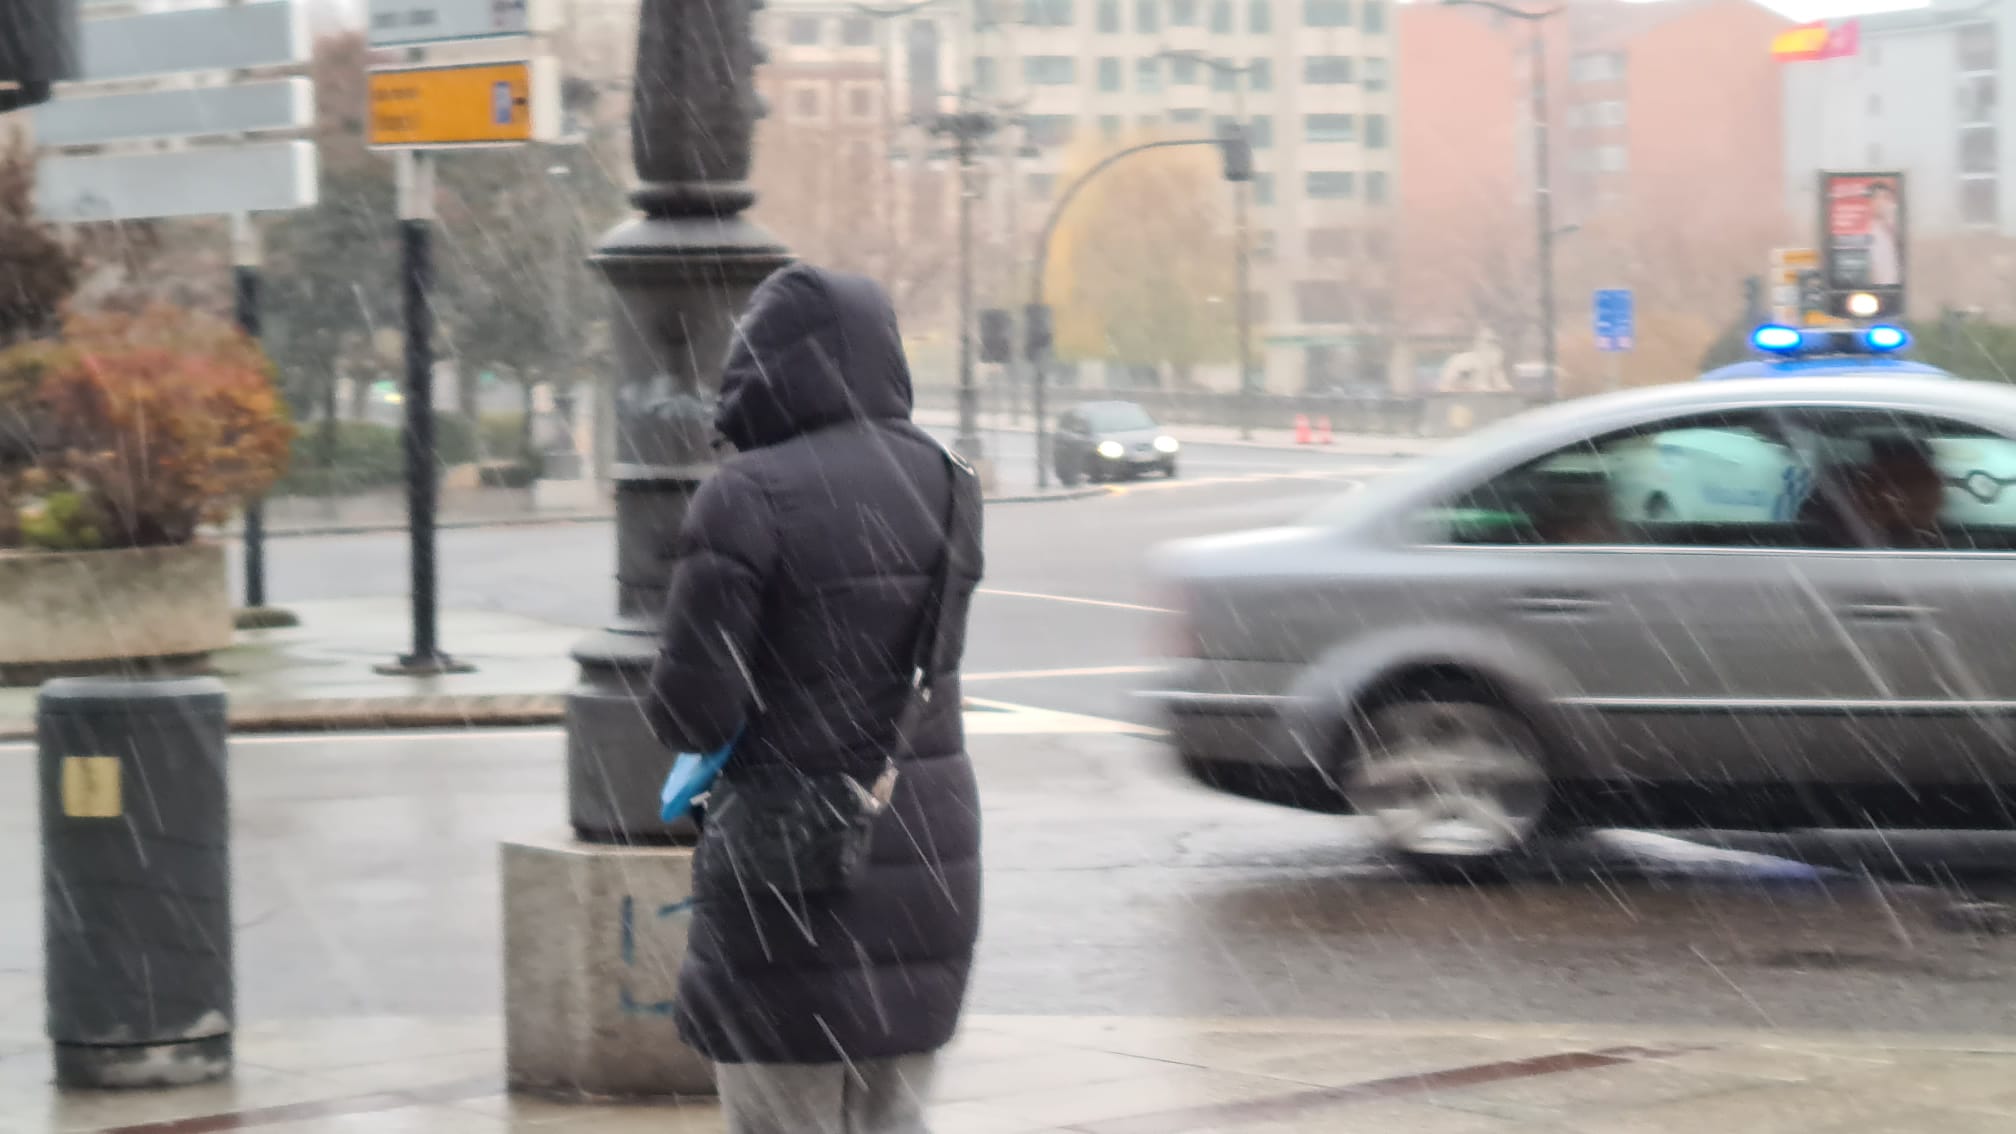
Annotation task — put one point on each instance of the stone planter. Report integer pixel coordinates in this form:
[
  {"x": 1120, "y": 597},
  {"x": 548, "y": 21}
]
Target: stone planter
[{"x": 77, "y": 612}]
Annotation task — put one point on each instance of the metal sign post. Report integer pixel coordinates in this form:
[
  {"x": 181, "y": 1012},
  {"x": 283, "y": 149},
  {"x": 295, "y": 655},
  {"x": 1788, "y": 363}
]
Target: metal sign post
[
  {"x": 416, "y": 108},
  {"x": 123, "y": 144}
]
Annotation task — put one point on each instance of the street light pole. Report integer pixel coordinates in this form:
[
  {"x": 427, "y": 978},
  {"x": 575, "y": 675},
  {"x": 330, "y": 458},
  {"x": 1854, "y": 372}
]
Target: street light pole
[
  {"x": 967, "y": 129},
  {"x": 1241, "y": 252},
  {"x": 1543, "y": 177}
]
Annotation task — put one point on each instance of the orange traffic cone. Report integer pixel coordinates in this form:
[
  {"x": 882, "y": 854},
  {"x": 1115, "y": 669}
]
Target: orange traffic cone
[
  {"x": 1322, "y": 431},
  {"x": 1301, "y": 429}
]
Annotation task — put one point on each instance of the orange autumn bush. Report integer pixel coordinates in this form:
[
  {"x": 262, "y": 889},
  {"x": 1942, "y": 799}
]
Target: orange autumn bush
[{"x": 141, "y": 428}]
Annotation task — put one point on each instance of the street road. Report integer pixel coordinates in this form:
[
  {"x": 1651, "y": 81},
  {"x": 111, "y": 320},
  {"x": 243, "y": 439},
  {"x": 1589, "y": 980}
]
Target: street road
[{"x": 1066, "y": 586}]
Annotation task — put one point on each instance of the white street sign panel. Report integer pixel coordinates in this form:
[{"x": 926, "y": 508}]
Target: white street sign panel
[
  {"x": 205, "y": 181},
  {"x": 265, "y": 34},
  {"x": 396, "y": 23},
  {"x": 283, "y": 104}
]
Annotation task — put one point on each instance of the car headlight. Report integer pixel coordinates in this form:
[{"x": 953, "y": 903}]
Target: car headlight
[
  {"x": 1166, "y": 445},
  {"x": 1112, "y": 450}
]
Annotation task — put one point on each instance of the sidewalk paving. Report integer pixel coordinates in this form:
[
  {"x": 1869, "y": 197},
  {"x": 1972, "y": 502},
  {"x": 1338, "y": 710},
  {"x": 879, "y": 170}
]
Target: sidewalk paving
[{"x": 1074, "y": 1075}]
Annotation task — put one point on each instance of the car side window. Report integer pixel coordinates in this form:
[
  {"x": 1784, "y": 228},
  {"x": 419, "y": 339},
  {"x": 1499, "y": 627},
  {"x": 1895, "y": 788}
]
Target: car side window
[
  {"x": 1903, "y": 481},
  {"x": 1725, "y": 480}
]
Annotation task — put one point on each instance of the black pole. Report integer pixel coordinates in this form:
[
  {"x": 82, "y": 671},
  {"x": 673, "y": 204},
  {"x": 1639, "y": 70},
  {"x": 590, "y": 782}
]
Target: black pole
[
  {"x": 416, "y": 271},
  {"x": 245, "y": 288}
]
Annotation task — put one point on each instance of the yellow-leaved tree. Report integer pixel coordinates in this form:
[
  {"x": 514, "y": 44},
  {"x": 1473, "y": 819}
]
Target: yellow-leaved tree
[{"x": 1141, "y": 268}]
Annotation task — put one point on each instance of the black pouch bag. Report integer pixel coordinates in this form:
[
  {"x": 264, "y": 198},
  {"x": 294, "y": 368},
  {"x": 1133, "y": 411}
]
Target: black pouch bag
[{"x": 788, "y": 831}]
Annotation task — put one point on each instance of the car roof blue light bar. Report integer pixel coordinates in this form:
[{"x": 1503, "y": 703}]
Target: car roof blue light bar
[
  {"x": 1885, "y": 338},
  {"x": 1777, "y": 339}
]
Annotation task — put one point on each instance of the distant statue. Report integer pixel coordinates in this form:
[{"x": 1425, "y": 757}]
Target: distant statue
[{"x": 1481, "y": 369}]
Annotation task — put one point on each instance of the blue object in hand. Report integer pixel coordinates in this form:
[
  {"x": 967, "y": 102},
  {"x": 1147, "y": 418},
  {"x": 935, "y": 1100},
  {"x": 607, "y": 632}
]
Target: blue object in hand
[{"x": 692, "y": 774}]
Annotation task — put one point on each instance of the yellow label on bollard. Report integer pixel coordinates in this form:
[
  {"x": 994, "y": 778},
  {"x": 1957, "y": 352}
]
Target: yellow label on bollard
[{"x": 91, "y": 787}]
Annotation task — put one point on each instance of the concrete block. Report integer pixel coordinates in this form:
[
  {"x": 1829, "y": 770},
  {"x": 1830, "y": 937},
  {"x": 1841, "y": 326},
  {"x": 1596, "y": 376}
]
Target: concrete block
[{"x": 593, "y": 939}]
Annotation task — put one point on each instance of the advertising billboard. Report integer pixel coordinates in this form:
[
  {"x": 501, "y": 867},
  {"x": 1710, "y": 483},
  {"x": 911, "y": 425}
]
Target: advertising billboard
[{"x": 1863, "y": 243}]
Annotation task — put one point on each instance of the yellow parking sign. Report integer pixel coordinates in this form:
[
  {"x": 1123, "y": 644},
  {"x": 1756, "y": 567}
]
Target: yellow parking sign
[{"x": 472, "y": 104}]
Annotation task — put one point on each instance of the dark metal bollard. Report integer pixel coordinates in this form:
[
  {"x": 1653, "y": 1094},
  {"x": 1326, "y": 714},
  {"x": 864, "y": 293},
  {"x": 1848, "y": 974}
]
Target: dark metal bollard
[{"x": 136, "y": 881}]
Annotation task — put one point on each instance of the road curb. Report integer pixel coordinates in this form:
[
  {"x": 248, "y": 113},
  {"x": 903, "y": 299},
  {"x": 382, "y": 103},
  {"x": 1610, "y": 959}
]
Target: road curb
[
  {"x": 381, "y": 527},
  {"x": 370, "y": 714}
]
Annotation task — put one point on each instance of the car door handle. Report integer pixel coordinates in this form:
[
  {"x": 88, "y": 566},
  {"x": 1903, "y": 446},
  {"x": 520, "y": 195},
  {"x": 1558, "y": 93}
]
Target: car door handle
[
  {"x": 1884, "y": 610},
  {"x": 1557, "y": 603}
]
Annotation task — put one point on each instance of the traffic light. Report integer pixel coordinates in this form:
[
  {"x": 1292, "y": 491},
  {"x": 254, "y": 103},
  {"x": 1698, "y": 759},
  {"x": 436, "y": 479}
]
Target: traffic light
[
  {"x": 38, "y": 47},
  {"x": 1238, "y": 153},
  {"x": 1036, "y": 322},
  {"x": 997, "y": 330}
]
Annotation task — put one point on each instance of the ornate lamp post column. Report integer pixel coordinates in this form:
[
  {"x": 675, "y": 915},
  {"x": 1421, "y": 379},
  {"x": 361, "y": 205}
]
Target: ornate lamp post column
[{"x": 681, "y": 273}]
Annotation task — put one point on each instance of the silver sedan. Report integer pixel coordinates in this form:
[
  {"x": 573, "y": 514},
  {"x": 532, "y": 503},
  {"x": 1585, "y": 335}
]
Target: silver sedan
[{"x": 1769, "y": 604}]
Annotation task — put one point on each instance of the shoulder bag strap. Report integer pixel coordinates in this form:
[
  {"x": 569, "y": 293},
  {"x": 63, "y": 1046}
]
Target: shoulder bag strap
[{"x": 924, "y": 651}]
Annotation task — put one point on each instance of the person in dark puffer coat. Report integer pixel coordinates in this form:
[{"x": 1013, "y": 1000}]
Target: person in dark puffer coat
[{"x": 805, "y": 563}]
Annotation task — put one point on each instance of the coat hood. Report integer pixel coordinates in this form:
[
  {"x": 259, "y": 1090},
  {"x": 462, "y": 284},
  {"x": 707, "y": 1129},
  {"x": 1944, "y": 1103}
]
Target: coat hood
[{"x": 815, "y": 348}]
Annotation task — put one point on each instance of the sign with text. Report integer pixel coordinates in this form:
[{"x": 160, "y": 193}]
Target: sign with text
[
  {"x": 473, "y": 104},
  {"x": 207, "y": 181},
  {"x": 1862, "y": 243},
  {"x": 1788, "y": 267},
  {"x": 1615, "y": 319},
  {"x": 399, "y": 23},
  {"x": 265, "y": 34},
  {"x": 1816, "y": 41}
]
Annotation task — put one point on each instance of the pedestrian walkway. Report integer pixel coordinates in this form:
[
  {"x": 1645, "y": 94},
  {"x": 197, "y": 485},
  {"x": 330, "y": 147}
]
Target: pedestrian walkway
[{"x": 1028, "y": 1074}]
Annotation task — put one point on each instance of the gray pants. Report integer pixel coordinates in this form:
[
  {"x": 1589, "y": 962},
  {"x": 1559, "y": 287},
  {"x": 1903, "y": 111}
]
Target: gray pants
[{"x": 877, "y": 1096}]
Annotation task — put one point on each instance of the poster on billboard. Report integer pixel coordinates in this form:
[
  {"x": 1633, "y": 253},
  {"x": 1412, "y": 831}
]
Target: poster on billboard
[{"x": 1862, "y": 243}]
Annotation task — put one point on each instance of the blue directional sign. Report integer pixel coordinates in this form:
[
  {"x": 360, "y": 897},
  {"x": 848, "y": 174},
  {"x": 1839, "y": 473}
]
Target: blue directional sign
[{"x": 1616, "y": 321}]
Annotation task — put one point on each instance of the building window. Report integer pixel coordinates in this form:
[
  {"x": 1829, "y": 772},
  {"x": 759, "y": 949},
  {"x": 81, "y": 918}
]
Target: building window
[
  {"x": 1322, "y": 301},
  {"x": 1260, "y": 75},
  {"x": 1041, "y": 185},
  {"x": 1330, "y": 127},
  {"x": 1326, "y": 13},
  {"x": 1049, "y": 70},
  {"x": 1048, "y": 13},
  {"x": 1182, "y": 13},
  {"x": 1977, "y": 99},
  {"x": 1184, "y": 70},
  {"x": 1331, "y": 243},
  {"x": 1049, "y": 129},
  {"x": 1609, "y": 113},
  {"x": 1109, "y": 17},
  {"x": 1259, "y": 17},
  {"x": 857, "y": 31},
  {"x": 1377, "y": 248},
  {"x": 1978, "y": 205},
  {"x": 861, "y": 103},
  {"x": 1151, "y": 123},
  {"x": 1612, "y": 159},
  {"x": 1977, "y": 151},
  {"x": 984, "y": 73},
  {"x": 1264, "y": 244},
  {"x": 1875, "y": 105},
  {"x": 1225, "y": 79},
  {"x": 1375, "y": 17},
  {"x": 1375, "y": 131},
  {"x": 1109, "y": 74},
  {"x": 1187, "y": 116},
  {"x": 1148, "y": 75},
  {"x": 1109, "y": 127},
  {"x": 1147, "y": 16},
  {"x": 1975, "y": 47},
  {"x": 808, "y": 103},
  {"x": 1221, "y": 17},
  {"x": 1375, "y": 186},
  {"x": 1260, "y": 132},
  {"x": 1327, "y": 70},
  {"x": 804, "y": 31},
  {"x": 1375, "y": 73},
  {"x": 1328, "y": 185},
  {"x": 1598, "y": 67},
  {"x": 1263, "y": 188}
]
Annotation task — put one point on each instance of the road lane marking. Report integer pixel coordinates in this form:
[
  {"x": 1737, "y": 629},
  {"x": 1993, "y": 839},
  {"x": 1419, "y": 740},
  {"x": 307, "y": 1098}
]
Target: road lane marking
[
  {"x": 1076, "y": 601},
  {"x": 1084, "y": 671}
]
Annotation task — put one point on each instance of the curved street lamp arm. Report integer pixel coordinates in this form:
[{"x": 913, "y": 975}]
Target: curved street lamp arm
[{"x": 1071, "y": 193}]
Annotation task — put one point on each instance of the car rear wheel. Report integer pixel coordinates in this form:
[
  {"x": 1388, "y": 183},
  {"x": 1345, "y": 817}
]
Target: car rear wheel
[
  {"x": 1456, "y": 788},
  {"x": 1069, "y": 474}
]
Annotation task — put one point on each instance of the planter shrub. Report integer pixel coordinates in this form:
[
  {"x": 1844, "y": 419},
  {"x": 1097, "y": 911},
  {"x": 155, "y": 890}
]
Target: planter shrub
[
  {"x": 134, "y": 430},
  {"x": 369, "y": 456}
]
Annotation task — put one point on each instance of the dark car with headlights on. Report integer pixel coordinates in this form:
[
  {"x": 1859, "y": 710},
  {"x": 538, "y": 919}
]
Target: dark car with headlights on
[{"x": 1101, "y": 441}]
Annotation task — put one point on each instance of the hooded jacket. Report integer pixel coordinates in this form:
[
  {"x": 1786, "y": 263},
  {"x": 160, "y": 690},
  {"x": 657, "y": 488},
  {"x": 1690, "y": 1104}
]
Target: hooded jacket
[{"x": 805, "y": 562}]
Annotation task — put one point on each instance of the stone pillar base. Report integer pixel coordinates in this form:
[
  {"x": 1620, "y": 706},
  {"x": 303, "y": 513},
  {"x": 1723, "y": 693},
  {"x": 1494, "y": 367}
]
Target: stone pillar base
[{"x": 593, "y": 939}]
